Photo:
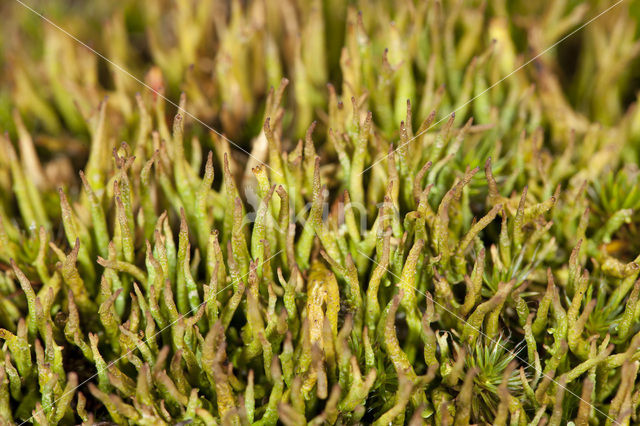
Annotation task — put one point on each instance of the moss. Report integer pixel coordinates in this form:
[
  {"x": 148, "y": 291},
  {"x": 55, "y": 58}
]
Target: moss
[{"x": 448, "y": 242}]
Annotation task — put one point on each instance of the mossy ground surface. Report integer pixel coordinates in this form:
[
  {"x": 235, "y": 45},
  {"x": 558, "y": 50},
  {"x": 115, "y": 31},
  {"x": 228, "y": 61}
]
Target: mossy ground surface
[{"x": 320, "y": 212}]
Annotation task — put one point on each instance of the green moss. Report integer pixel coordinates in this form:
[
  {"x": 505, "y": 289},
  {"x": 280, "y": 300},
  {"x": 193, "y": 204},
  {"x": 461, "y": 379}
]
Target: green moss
[{"x": 389, "y": 262}]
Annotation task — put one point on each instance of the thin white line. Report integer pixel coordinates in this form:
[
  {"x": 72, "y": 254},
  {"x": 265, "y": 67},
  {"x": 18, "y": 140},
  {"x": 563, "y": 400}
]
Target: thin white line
[
  {"x": 497, "y": 342},
  {"x": 446, "y": 117},
  {"x": 182, "y": 316},
  {"x": 123, "y": 70}
]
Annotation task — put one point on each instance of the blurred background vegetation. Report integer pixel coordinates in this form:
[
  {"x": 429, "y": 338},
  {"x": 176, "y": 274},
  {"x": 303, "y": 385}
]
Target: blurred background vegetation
[{"x": 226, "y": 54}]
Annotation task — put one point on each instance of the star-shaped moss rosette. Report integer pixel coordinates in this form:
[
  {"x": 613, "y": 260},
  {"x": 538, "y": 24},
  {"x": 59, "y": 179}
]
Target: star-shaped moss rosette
[{"x": 309, "y": 234}]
